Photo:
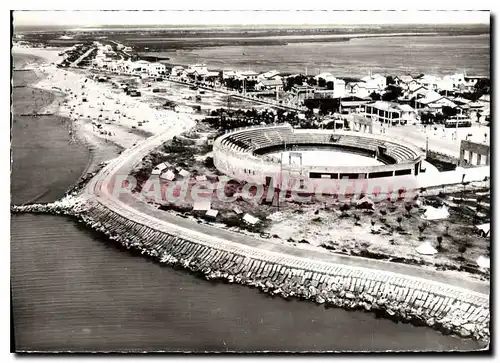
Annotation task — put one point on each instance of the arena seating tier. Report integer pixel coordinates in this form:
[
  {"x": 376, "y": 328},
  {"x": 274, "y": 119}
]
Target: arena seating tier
[{"x": 252, "y": 139}]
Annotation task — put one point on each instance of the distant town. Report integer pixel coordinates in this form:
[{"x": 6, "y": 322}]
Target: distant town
[{"x": 454, "y": 100}]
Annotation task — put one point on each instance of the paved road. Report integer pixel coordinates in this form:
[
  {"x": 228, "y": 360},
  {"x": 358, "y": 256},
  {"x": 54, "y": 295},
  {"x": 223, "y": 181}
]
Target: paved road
[
  {"x": 130, "y": 206},
  {"x": 241, "y": 96},
  {"x": 82, "y": 57}
]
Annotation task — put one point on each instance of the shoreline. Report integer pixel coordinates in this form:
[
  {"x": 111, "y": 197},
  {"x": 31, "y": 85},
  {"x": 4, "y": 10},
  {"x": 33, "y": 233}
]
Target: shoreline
[{"x": 41, "y": 118}]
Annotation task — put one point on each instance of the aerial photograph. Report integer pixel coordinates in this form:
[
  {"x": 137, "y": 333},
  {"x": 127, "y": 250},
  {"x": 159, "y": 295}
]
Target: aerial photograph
[{"x": 230, "y": 182}]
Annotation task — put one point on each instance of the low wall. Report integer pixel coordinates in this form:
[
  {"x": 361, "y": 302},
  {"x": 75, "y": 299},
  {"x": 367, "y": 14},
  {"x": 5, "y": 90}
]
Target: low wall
[{"x": 444, "y": 307}]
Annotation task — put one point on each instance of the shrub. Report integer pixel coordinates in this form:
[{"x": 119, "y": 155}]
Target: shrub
[
  {"x": 439, "y": 241},
  {"x": 462, "y": 249}
]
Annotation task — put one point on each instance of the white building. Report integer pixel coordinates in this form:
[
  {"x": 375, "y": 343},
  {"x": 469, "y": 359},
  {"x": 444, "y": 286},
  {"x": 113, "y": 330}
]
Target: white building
[
  {"x": 269, "y": 84},
  {"x": 360, "y": 89},
  {"x": 177, "y": 70},
  {"x": 339, "y": 87},
  {"x": 274, "y": 74},
  {"x": 456, "y": 80},
  {"x": 327, "y": 76},
  {"x": 157, "y": 69},
  {"x": 228, "y": 73},
  {"x": 434, "y": 102},
  {"x": 140, "y": 67},
  {"x": 200, "y": 69},
  {"x": 248, "y": 75},
  {"x": 377, "y": 80},
  {"x": 390, "y": 112},
  {"x": 430, "y": 82}
]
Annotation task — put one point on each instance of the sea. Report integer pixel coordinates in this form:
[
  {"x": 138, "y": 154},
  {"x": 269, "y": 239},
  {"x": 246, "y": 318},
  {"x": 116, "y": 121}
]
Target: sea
[
  {"x": 395, "y": 55},
  {"x": 74, "y": 290}
]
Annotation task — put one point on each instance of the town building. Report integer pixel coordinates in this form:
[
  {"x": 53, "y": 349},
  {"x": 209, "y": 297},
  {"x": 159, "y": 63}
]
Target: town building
[
  {"x": 360, "y": 89},
  {"x": 353, "y": 104},
  {"x": 157, "y": 69},
  {"x": 248, "y": 75},
  {"x": 390, "y": 112},
  {"x": 405, "y": 82},
  {"x": 177, "y": 71},
  {"x": 433, "y": 102},
  {"x": 269, "y": 84},
  {"x": 274, "y": 74},
  {"x": 376, "y": 80},
  {"x": 228, "y": 73}
]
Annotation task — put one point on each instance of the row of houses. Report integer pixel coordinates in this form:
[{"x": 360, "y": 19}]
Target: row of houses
[
  {"x": 271, "y": 80},
  {"x": 458, "y": 82},
  {"x": 425, "y": 99},
  {"x": 138, "y": 68},
  {"x": 106, "y": 60}
]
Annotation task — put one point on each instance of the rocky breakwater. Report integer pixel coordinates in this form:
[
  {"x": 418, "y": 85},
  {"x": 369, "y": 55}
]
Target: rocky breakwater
[
  {"x": 70, "y": 205},
  {"x": 403, "y": 298}
]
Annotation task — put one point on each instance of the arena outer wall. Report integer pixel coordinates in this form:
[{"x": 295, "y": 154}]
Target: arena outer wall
[{"x": 236, "y": 156}]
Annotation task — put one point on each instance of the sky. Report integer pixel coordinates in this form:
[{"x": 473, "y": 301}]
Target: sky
[{"x": 95, "y": 18}]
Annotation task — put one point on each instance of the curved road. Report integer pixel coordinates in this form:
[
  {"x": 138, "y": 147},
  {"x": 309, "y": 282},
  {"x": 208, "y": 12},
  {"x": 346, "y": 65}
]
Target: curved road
[{"x": 130, "y": 206}]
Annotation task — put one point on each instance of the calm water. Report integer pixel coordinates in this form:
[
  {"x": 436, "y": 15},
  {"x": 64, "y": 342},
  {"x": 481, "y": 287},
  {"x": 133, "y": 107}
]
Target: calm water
[
  {"x": 72, "y": 290},
  {"x": 436, "y": 55}
]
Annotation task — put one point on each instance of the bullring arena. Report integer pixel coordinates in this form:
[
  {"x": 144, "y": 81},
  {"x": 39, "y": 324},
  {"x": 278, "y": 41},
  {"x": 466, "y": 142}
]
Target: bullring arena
[{"x": 312, "y": 160}]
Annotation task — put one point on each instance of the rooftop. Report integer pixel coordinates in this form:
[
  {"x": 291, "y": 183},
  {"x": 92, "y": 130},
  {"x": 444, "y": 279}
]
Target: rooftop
[{"x": 271, "y": 82}]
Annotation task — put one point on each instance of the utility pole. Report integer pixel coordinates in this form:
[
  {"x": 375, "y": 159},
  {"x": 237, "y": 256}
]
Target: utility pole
[
  {"x": 427, "y": 146},
  {"x": 281, "y": 180}
]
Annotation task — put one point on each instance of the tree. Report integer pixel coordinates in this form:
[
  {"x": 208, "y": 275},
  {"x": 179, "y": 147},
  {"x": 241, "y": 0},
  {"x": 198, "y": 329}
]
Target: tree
[
  {"x": 449, "y": 111},
  {"x": 483, "y": 86},
  {"x": 392, "y": 93},
  {"x": 439, "y": 241},
  {"x": 375, "y": 96},
  {"x": 462, "y": 249},
  {"x": 312, "y": 81},
  {"x": 399, "y": 220},
  {"x": 439, "y": 118},
  {"x": 426, "y": 118},
  {"x": 408, "y": 208},
  {"x": 421, "y": 229}
]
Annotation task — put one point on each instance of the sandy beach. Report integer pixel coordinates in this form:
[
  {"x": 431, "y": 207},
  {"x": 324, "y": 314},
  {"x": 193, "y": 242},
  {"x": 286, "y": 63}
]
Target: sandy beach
[{"x": 89, "y": 103}]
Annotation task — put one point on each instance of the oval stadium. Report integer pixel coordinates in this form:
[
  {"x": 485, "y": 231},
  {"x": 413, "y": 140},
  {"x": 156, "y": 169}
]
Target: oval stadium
[{"x": 313, "y": 160}]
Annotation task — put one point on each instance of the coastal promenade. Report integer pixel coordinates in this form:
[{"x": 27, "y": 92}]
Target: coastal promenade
[{"x": 437, "y": 298}]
